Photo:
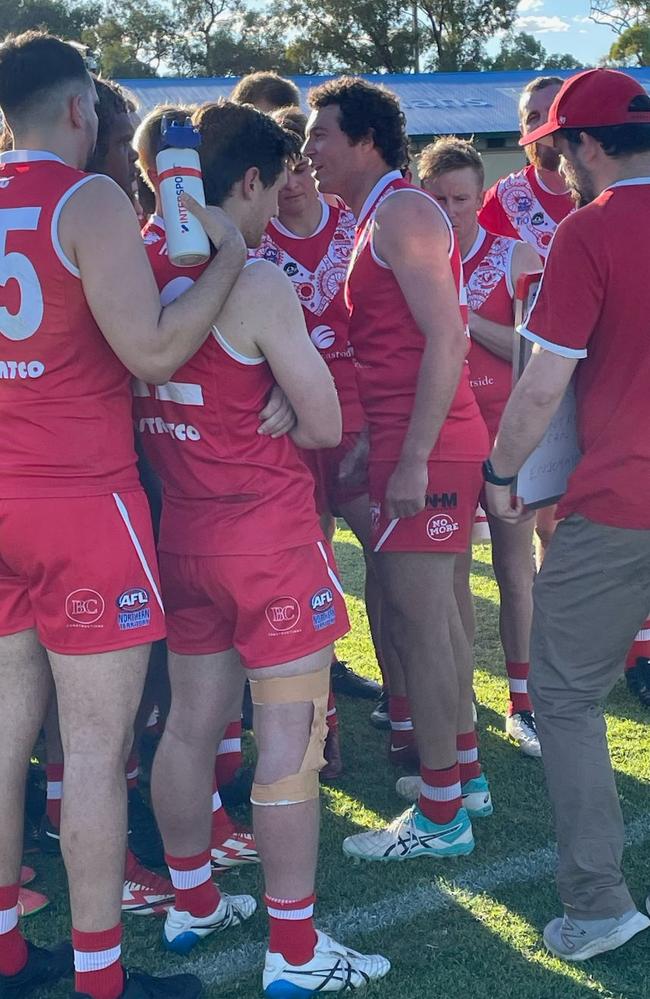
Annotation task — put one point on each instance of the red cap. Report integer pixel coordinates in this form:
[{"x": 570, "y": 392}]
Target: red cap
[{"x": 592, "y": 99}]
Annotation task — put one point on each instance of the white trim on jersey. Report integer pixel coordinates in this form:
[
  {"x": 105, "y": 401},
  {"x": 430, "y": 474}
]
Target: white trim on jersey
[
  {"x": 387, "y": 533},
  {"x": 231, "y": 352},
  {"x": 124, "y": 514},
  {"x": 476, "y": 245},
  {"x": 429, "y": 197},
  {"x": 29, "y": 156},
  {"x": 554, "y": 348},
  {"x": 629, "y": 182},
  {"x": 547, "y": 190},
  {"x": 383, "y": 182},
  {"x": 54, "y": 228},
  {"x": 182, "y": 393},
  {"x": 330, "y": 572},
  {"x": 511, "y": 252},
  {"x": 324, "y": 219}
]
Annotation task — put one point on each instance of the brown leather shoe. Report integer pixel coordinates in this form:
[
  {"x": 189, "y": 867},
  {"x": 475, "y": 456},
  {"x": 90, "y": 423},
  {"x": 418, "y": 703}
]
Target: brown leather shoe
[{"x": 333, "y": 762}]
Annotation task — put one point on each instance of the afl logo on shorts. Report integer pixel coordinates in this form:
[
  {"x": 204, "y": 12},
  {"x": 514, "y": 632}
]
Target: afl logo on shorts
[
  {"x": 283, "y": 613},
  {"x": 441, "y": 527},
  {"x": 322, "y": 337},
  {"x": 84, "y": 606},
  {"x": 322, "y": 600},
  {"x": 133, "y": 599}
]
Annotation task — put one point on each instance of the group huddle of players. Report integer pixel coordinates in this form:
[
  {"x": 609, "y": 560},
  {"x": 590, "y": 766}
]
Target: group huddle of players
[{"x": 317, "y": 366}]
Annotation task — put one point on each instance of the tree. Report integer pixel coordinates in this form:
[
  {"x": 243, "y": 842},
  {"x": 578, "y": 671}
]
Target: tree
[
  {"x": 632, "y": 47},
  {"x": 523, "y": 51},
  {"x": 56, "y": 16},
  {"x": 619, "y": 16},
  {"x": 456, "y": 30},
  {"x": 133, "y": 37}
]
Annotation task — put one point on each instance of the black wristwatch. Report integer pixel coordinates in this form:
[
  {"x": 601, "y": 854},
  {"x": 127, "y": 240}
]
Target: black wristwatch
[{"x": 491, "y": 476}]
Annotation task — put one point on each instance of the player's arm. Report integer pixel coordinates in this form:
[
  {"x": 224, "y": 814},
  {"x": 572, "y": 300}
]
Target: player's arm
[
  {"x": 275, "y": 328},
  {"x": 99, "y": 233},
  {"x": 495, "y": 337},
  {"x": 413, "y": 239}
]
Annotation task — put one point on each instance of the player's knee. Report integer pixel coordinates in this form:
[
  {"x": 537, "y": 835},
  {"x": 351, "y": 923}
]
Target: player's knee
[{"x": 289, "y": 775}]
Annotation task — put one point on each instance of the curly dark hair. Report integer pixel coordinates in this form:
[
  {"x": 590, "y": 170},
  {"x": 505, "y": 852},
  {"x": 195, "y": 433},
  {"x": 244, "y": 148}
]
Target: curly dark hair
[
  {"x": 234, "y": 138},
  {"x": 367, "y": 109},
  {"x": 111, "y": 101},
  {"x": 270, "y": 88}
]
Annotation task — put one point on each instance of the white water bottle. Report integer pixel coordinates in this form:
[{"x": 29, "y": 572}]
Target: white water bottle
[{"x": 179, "y": 171}]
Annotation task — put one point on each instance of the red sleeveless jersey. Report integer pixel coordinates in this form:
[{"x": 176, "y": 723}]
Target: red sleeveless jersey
[
  {"x": 227, "y": 489},
  {"x": 317, "y": 266},
  {"x": 388, "y": 346},
  {"x": 520, "y": 206},
  {"x": 65, "y": 398},
  {"x": 487, "y": 270}
]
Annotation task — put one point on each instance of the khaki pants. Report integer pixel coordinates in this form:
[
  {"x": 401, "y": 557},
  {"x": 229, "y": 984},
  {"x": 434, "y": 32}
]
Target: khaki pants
[{"x": 590, "y": 598}]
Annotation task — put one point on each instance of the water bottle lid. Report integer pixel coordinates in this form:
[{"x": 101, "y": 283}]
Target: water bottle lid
[{"x": 179, "y": 135}]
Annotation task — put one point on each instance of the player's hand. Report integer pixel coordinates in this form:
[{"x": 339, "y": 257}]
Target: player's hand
[
  {"x": 406, "y": 491},
  {"x": 277, "y": 418},
  {"x": 219, "y": 227},
  {"x": 502, "y": 504},
  {"x": 353, "y": 470}
]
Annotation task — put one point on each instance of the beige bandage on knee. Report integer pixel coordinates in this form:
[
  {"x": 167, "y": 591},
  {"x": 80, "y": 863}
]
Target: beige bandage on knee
[{"x": 314, "y": 687}]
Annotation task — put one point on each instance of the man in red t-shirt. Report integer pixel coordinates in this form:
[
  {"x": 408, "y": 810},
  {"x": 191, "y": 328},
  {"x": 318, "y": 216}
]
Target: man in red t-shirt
[
  {"x": 78, "y": 573},
  {"x": 590, "y": 318},
  {"x": 408, "y": 331}
]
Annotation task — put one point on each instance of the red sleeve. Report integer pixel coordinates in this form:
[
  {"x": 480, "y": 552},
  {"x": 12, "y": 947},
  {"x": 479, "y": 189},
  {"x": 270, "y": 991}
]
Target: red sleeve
[
  {"x": 492, "y": 216},
  {"x": 572, "y": 290}
]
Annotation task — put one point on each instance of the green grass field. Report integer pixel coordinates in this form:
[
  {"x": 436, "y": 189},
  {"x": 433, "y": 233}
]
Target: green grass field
[{"x": 454, "y": 929}]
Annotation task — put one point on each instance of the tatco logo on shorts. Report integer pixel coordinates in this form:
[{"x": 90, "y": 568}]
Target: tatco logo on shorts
[
  {"x": 442, "y": 527},
  {"x": 283, "y": 613},
  {"x": 85, "y": 607}
]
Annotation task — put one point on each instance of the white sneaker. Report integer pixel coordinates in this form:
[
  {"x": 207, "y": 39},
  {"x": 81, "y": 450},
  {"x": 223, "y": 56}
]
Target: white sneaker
[
  {"x": 477, "y": 800},
  {"x": 333, "y": 968},
  {"x": 183, "y": 931},
  {"x": 580, "y": 939},
  {"x": 413, "y": 835},
  {"x": 521, "y": 728}
]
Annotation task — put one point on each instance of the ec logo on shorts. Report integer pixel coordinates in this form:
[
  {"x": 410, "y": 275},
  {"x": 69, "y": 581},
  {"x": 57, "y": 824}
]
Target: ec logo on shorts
[
  {"x": 442, "y": 527},
  {"x": 133, "y": 599},
  {"x": 84, "y": 606},
  {"x": 283, "y": 613}
]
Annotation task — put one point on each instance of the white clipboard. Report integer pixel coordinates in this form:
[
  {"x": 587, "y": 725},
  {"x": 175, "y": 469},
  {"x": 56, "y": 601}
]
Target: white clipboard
[{"x": 544, "y": 476}]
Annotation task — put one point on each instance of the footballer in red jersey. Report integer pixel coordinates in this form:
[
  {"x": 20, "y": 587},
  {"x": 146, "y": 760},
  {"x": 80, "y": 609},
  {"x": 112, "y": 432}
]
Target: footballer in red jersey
[
  {"x": 248, "y": 578},
  {"x": 452, "y": 170},
  {"x": 77, "y": 563},
  {"x": 427, "y": 439}
]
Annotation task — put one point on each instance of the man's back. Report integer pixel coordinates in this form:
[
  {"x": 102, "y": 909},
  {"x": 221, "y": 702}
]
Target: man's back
[{"x": 65, "y": 401}]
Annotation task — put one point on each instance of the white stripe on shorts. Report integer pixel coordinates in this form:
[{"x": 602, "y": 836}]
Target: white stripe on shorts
[
  {"x": 55, "y": 790},
  {"x": 96, "y": 960},
  {"x": 8, "y": 919},
  {"x": 330, "y": 572},
  {"x": 229, "y": 746},
  {"x": 440, "y": 793},
  {"x": 467, "y": 755},
  {"x": 182, "y": 880},
  {"x": 124, "y": 514},
  {"x": 387, "y": 533},
  {"x": 216, "y": 801},
  {"x": 402, "y": 726}
]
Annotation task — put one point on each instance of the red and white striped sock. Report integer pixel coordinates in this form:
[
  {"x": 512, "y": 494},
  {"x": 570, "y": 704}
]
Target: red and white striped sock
[
  {"x": 518, "y": 686},
  {"x": 54, "y": 774},
  {"x": 13, "y": 949},
  {"x": 402, "y": 732},
  {"x": 331, "y": 717},
  {"x": 98, "y": 968},
  {"x": 467, "y": 748},
  {"x": 132, "y": 771},
  {"x": 641, "y": 646},
  {"x": 229, "y": 755},
  {"x": 195, "y": 890},
  {"x": 291, "y": 925},
  {"x": 440, "y": 794},
  {"x": 222, "y": 825}
]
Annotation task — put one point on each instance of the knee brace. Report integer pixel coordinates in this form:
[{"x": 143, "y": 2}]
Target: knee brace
[{"x": 303, "y": 785}]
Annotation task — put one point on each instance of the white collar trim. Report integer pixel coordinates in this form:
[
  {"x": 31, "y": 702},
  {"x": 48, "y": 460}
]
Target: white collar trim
[
  {"x": 28, "y": 156},
  {"x": 383, "y": 182}
]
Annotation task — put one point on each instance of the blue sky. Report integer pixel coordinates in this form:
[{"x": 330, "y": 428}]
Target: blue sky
[{"x": 564, "y": 26}]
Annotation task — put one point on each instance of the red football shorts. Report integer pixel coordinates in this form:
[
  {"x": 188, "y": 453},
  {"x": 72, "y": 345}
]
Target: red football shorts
[
  {"x": 445, "y": 524},
  {"x": 271, "y": 608},
  {"x": 82, "y": 571},
  {"x": 330, "y": 493}
]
